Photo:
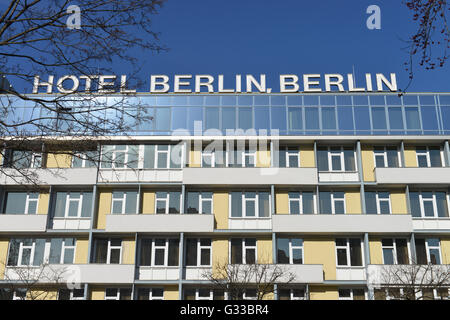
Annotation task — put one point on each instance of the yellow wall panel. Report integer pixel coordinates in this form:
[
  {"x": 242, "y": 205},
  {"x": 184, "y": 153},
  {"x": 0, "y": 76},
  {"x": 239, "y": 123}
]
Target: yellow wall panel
[
  {"x": 55, "y": 160},
  {"x": 264, "y": 250},
  {"x": 368, "y": 163},
  {"x": 43, "y": 203},
  {"x": 445, "y": 250},
  {"x": 321, "y": 251},
  {"x": 353, "y": 202},
  {"x": 219, "y": 252},
  {"x": 128, "y": 251},
  {"x": 81, "y": 252},
  {"x": 42, "y": 294},
  {"x": 220, "y": 204},
  {"x": 323, "y": 293},
  {"x": 97, "y": 294},
  {"x": 263, "y": 159},
  {"x": 375, "y": 251},
  {"x": 148, "y": 202},
  {"x": 410, "y": 156},
  {"x": 104, "y": 208},
  {"x": 282, "y": 203},
  {"x": 307, "y": 157},
  {"x": 195, "y": 158},
  {"x": 398, "y": 202},
  {"x": 3, "y": 256},
  {"x": 171, "y": 293}
]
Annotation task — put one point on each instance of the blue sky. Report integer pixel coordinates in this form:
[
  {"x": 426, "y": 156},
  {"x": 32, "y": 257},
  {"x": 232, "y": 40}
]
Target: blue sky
[
  {"x": 287, "y": 36},
  {"x": 284, "y": 37}
]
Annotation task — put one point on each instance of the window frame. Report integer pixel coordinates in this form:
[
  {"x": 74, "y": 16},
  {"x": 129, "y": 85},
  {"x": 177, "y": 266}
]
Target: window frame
[
  {"x": 244, "y": 248},
  {"x": 292, "y": 248},
  {"x": 300, "y": 202},
  {"x": 428, "y": 158},
  {"x": 348, "y": 253},
  {"x": 124, "y": 202},
  {"x": 199, "y": 248},
  {"x": 167, "y": 200},
  {"x": 394, "y": 250},
  {"x": 243, "y": 205},
  {"x": 433, "y": 199},
  {"x": 352, "y": 295},
  {"x": 383, "y": 153}
]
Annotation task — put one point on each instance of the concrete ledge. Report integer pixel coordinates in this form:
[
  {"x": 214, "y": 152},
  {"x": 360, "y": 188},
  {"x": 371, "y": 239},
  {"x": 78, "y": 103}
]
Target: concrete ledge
[
  {"x": 59, "y": 176},
  {"x": 23, "y": 222},
  {"x": 413, "y": 175}
]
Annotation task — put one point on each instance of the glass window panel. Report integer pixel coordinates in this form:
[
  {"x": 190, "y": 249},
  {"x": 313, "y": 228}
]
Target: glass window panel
[
  {"x": 263, "y": 204},
  {"x": 195, "y": 114},
  {"x": 73, "y": 208},
  {"x": 86, "y": 206},
  {"x": 174, "y": 202},
  {"x": 277, "y": 100},
  {"x": 15, "y": 202},
  {"x": 114, "y": 257},
  {"x": 339, "y": 207},
  {"x": 236, "y": 251},
  {"x": 297, "y": 256},
  {"x": 13, "y": 254},
  {"x": 179, "y": 117},
  {"x": 435, "y": 157},
  {"x": 212, "y": 118},
  {"x": 294, "y": 207},
  {"x": 250, "y": 256},
  {"x": 262, "y": 100},
  {"x": 294, "y": 100},
  {"x": 392, "y": 157},
  {"x": 312, "y": 118},
  {"x": 146, "y": 252},
  {"x": 377, "y": 100},
  {"x": 69, "y": 255},
  {"x": 388, "y": 255},
  {"x": 159, "y": 257},
  {"x": 55, "y": 250},
  {"x": 282, "y": 250},
  {"x": 60, "y": 206},
  {"x": 358, "y": 294},
  {"x": 349, "y": 159},
  {"x": 328, "y": 118},
  {"x": 362, "y": 119},
  {"x": 325, "y": 201},
  {"x": 131, "y": 201},
  {"x": 402, "y": 251},
  {"x": 262, "y": 118},
  {"x": 355, "y": 252},
  {"x": 429, "y": 118},
  {"x": 308, "y": 202},
  {"x": 410, "y": 100},
  {"x": 193, "y": 202},
  {"x": 421, "y": 251},
  {"x": 395, "y": 118},
  {"x": 282, "y": 159},
  {"x": 342, "y": 257},
  {"x": 149, "y": 156},
  {"x": 441, "y": 203},
  {"x": 228, "y": 118},
  {"x": 345, "y": 117},
  {"x": 236, "y": 204},
  {"x": 295, "y": 119},
  {"x": 173, "y": 252},
  {"x": 191, "y": 252},
  {"x": 205, "y": 257},
  {"x": 278, "y": 118},
  {"x": 336, "y": 163},
  {"x": 322, "y": 159},
  {"x": 39, "y": 252},
  {"x": 412, "y": 118},
  {"x": 245, "y": 118},
  {"x": 162, "y": 119},
  {"x": 415, "y": 204},
  {"x": 378, "y": 118},
  {"x": 311, "y": 100},
  {"x": 250, "y": 208},
  {"x": 101, "y": 251},
  {"x": 371, "y": 202},
  {"x": 434, "y": 256},
  {"x": 428, "y": 208}
]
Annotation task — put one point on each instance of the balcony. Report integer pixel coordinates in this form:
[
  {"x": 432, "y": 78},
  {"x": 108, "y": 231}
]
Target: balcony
[
  {"x": 305, "y": 273},
  {"x": 196, "y": 272},
  {"x": 379, "y": 274},
  {"x": 431, "y": 223},
  {"x": 60, "y": 176},
  {"x": 250, "y": 176},
  {"x": 330, "y": 176},
  {"x": 249, "y": 223},
  {"x": 23, "y": 222},
  {"x": 350, "y": 273},
  {"x": 74, "y": 273},
  {"x": 160, "y": 223},
  {"x": 342, "y": 223},
  {"x": 413, "y": 175},
  {"x": 139, "y": 175},
  {"x": 159, "y": 273},
  {"x": 59, "y": 223}
]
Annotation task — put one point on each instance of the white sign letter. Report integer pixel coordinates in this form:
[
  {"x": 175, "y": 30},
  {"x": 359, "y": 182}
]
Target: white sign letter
[
  {"x": 307, "y": 83},
  {"x": 37, "y": 83},
  {"x": 338, "y": 82},
  {"x": 288, "y": 80},
  {"x": 159, "y": 80}
]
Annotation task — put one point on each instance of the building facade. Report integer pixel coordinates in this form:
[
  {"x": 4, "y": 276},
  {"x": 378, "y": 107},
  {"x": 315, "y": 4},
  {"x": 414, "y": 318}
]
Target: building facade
[{"x": 335, "y": 188}]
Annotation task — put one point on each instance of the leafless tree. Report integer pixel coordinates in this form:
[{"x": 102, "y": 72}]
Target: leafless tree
[
  {"x": 36, "y": 282},
  {"x": 37, "y": 37},
  {"x": 235, "y": 279},
  {"x": 411, "y": 281},
  {"x": 431, "y": 41}
]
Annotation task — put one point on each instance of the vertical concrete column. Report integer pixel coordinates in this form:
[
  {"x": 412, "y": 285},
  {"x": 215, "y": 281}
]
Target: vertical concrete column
[
  {"x": 183, "y": 194},
  {"x": 274, "y": 254},
  {"x": 181, "y": 264},
  {"x": 447, "y": 153},
  {"x": 412, "y": 245},
  {"x": 93, "y": 217},
  {"x": 137, "y": 258},
  {"x": 367, "y": 263},
  {"x": 402, "y": 154},
  {"x": 361, "y": 176}
]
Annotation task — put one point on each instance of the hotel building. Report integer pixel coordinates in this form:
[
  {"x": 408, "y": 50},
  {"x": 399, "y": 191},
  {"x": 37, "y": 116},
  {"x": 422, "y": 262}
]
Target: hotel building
[{"x": 333, "y": 187}]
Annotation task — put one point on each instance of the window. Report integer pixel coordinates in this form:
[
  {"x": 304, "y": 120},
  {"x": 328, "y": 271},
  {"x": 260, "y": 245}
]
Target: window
[
  {"x": 386, "y": 157},
  {"x": 168, "y": 202},
  {"x": 290, "y": 251},
  {"x": 86, "y": 159},
  {"x": 332, "y": 202},
  {"x": 159, "y": 252},
  {"x": 429, "y": 157},
  {"x": 352, "y": 294},
  {"x": 13, "y": 294},
  {"x": 21, "y": 159},
  {"x": 349, "y": 252},
  {"x": 21, "y": 203},
  {"x": 428, "y": 251},
  {"x": 395, "y": 251},
  {"x": 198, "y": 252},
  {"x": 75, "y": 294},
  {"x": 289, "y": 157},
  {"x": 73, "y": 204},
  {"x": 162, "y": 156},
  {"x": 34, "y": 252},
  {"x": 118, "y": 294},
  {"x": 250, "y": 204},
  {"x": 292, "y": 294},
  {"x": 429, "y": 204},
  {"x": 378, "y": 202},
  {"x": 243, "y": 251},
  {"x": 124, "y": 202},
  {"x": 150, "y": 294},
  {"x": 108, "y": 251},
  {"x": 337, "y": 159},
  {"x": 199, "y": 202},
  {"x": 240, "y": 156},
  {"x": 119, "y": 156},
  {"x": 213, "y": 155},
  {"x": 204, "y": 294},
  {"x": 301, "y": 202}
]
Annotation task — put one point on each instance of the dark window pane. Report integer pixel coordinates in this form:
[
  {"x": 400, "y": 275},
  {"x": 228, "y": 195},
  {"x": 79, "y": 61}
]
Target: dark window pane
[
  {"x": 101, "y": 251},
  {"x": 421, "y": 251},
  {"x": 415, "y": 204},
  {"x": 329, "y": 118},
  {"x": 282, "y": 250},
  {"x": 295, "y": 119},
  {"x": 355, "y": 252},
  {"x": 371, "y": 202},
  {"x": 342, "y": 257},
  {"x": 191, "y": 252},
  {"x": 312, "y": 118},
  {"x": 325, "y": 202},
  {"x": 395, "y": 118},
  {"x": 322, "y": 159},
  {"x": 173, "y": 252},
  {"x": 146, "y": 252},
  {"x": 236, "y": 251},
  {"x": 236, "y": 204},
  {"x": 402, "y": 251},
  {"x": 308, "y": 202},
  {"x": 379, "y": 119}
]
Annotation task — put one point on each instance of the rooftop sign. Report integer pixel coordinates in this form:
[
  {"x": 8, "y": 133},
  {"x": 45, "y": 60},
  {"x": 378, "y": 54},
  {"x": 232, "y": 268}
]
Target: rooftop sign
[{"x": 187, "y": 83}]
